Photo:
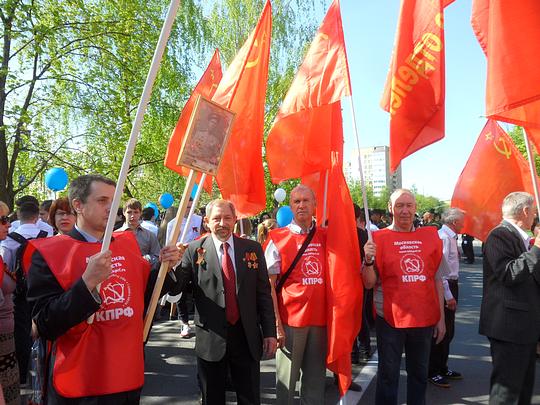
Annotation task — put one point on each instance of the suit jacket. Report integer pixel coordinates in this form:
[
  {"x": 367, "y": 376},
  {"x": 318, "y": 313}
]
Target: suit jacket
[
  {"x": 252, "y": 289},
  {"x": 511, "y": 295}
]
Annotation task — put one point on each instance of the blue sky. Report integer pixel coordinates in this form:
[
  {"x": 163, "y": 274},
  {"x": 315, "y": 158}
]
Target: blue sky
[{"x": 369, "y": 27}]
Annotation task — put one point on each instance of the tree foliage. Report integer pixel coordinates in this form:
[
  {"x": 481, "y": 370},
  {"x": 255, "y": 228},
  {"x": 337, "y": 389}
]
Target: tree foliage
[{"x": 72, "y": 73}]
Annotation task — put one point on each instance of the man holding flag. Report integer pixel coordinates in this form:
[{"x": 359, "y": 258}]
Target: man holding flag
[
  {"x": 296, "y": 262},
  {"x": 402, "y": 263}
]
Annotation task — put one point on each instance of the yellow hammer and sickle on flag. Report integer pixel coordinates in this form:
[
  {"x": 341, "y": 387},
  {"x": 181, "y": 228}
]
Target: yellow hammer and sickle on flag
[
  {"x": 255, "y": 62},
  {"x": 213, "y": 77},
  {"x": 504, "y": 149}
]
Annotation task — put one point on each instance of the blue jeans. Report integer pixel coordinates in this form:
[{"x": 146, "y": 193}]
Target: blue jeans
[{"x": 390, "y": 343}]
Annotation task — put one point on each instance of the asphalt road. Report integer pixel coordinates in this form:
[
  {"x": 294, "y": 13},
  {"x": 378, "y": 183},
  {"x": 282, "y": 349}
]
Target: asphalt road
[{"x": 171, "y": 370}]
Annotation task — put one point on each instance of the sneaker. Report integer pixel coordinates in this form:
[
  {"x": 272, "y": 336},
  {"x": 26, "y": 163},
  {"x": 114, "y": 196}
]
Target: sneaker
[
  {"x": 185, "y": 332},
  {"x": 355, "y": 387},
  {"x": 453, "y": 375},
  {"x": 439, "y": 381}
]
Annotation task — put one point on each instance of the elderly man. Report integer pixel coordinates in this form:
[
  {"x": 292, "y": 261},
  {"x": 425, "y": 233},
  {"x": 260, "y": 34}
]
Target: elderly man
[
  {"x": 101, "y": 362},
  {"x": 234, "y": 318},
  {"x": 402, "y": 263},
  {"x": 296, "y": 255},
  {"x": 510, "y": 311},
  {"x": 453, "y": 220}
]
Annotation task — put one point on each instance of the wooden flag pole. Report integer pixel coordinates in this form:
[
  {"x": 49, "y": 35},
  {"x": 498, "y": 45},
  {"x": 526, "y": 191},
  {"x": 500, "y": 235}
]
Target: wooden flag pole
[
  {"x": 532, "y": 168},
  {"x": 137, "y": 123},
  {"x": 193, "y": 207},
  {"x": 166, "y": 265},
  {"x": 362, "y": 182}
]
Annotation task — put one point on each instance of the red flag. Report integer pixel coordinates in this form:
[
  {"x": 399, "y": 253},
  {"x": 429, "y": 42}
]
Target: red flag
[
  {"x": 509, "y": 34},
  {"x": 494, "y": 169},
  {"x": 206, "y": 87},
  {"x": 343, "y": 282},
  {"x": 414, "y": 92},
  {"x": 296, "y": 145},
  {"x": 243, "y": 90}
]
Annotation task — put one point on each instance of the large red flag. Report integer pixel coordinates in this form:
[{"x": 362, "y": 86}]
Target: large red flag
[
  {"x": 296, "y": 145},
  {"x": 206, "y": 87},
  {"x": 495, "y": 168},
  {"x": 509, "y": 34},
  {"x": 343, "y": 282},
  {"x": 414, "y": 91},
  {"x": 243, "y": 90}
]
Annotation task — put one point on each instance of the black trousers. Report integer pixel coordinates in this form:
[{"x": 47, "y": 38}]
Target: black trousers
[
  {"x": 512, "y": 377},
  {"x": 438, "y": 359},
  {"x": 467, "y": 246},
  {"x": 245, "y": 372}
]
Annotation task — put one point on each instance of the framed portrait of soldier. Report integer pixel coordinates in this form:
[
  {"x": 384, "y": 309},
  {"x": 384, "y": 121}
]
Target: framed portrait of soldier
[{"x": 206, "y": 136}]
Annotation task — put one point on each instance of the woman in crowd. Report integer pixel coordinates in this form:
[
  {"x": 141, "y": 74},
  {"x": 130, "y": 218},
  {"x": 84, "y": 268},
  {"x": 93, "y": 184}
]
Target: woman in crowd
[
  {"x": 62, "y": 216},
  {"x": 9, "y": 369},
  {"x": 263, "y": 229}
]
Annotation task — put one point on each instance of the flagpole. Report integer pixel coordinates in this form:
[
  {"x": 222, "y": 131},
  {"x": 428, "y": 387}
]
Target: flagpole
[
  {"x": 323, "y": 219},
  {"x": 137, "y": 123},
  {"x": 532, "y": 169},
  {"x": 164, "y": 268},
  {"x": 193, "y": 207},
  {"x": 362, "y": 182}
]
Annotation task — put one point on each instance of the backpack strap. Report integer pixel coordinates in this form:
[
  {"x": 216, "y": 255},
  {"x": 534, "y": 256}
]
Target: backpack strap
[
  {"x": 41, "y": 234},
  {"x": 301, "y": 251},
  {"x": 17, "y": 237}
]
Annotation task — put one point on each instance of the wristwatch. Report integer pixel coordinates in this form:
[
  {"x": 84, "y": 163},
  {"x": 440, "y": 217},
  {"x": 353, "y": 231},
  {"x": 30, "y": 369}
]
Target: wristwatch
[{"x": 366, "y": 263}]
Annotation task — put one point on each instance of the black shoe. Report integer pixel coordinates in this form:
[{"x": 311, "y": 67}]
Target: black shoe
[
  {"x": 355, "y": 387},
  {"x": 365, "y": 354},
  {"x": 355, "y": 358},
  {"x": 439, "y": 381},
  {"x": 452, "y": 375}
]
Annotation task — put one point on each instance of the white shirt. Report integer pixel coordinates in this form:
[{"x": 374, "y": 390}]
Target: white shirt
[
  {"x": 9, "y": 246},
  {"x": 150, "y": 226},
  {"x": 524, "y": 235},
  {"x": 218, "y": 244},
  {"x": 42, "y": 225},
  {"x": 271, "y": 254},
  {"x": 450, "y": 256},
  {"x": 193, "y": 232}
]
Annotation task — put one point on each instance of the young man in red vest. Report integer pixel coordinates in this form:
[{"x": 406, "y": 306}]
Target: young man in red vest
[
  {"x": 300, "y": 305},
  {"x": 101, "y": 362},
  {"x": 402, "y": 263}
]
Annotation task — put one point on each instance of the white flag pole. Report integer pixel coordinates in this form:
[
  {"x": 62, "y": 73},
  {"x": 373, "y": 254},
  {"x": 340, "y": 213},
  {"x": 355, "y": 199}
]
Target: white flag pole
[
  {"x": 324, "y": 214},
  {"x": 362, "y": 182},
  {"x": 137, "y": 123},
  {"x": 532, "y": 168}
]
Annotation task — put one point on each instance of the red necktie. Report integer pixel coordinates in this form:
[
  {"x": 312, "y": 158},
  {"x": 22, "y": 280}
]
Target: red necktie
[{"x": 229, "y": 284}]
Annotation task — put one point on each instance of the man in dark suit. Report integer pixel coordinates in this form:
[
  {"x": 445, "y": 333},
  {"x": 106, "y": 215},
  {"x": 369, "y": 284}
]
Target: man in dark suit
[
  {"x": 234, "y": 318},
  {"x": 510, "y": 312},
  {"x": 64, "y": 279}
]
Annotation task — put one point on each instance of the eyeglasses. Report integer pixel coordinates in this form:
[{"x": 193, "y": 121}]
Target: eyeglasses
[{"x": 4, "y": 220}]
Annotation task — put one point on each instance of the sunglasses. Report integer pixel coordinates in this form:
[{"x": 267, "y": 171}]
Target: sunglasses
[{"x": 4, "y": 220}]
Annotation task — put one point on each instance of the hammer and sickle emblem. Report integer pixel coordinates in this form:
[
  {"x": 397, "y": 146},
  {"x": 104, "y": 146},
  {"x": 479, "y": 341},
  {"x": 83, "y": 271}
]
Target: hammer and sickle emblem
[
  {"x": 255, "y": 62},
  {"x": 502, "y": 147},
  {"x": 213, "y": 77}
]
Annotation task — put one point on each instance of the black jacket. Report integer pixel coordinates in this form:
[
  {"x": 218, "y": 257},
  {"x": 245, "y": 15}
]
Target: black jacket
[
  {"x": 253, "y": 292},
  {"x": 511, "y": 294}
]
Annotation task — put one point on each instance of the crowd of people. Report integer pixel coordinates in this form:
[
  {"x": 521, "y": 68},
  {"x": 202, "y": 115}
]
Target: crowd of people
[{"x": 250, "y": 290}]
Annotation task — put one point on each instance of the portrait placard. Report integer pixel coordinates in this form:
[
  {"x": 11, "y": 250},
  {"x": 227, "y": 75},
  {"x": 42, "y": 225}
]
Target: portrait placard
[{"x": 206, "y": 136}]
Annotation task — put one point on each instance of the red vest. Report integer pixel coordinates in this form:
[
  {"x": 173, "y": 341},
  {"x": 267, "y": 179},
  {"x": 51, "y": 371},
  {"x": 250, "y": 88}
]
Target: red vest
[
  {"x": 106, "y": 356},
  {"x": 407, "y": 263},
  {"x": 3, "y": 269},
  {"x": 302, "y": 301}
]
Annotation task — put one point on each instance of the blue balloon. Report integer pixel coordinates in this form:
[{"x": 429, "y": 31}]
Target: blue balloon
[
  {"x": 155, "y": 207},
  {"x": 56, "y": 179},
  {"x": 166, "y": 200},
  {"x": 194, "y": 190},
  {"x": 284, "y": 216}
]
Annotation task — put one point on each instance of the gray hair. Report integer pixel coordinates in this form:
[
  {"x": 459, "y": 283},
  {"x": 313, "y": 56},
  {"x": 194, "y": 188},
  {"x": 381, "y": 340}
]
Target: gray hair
[
  {"x": 394, "y": 196},
  {"x": 450, "y": 215},
  {"x": 514, "y": 203},
  {"x": 220, "y": 202},
  {"x": 303, "y": 188}
]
